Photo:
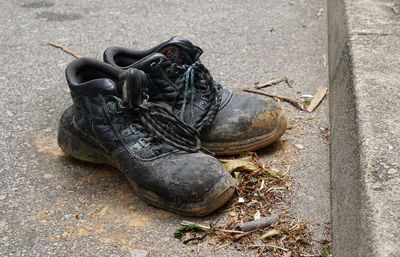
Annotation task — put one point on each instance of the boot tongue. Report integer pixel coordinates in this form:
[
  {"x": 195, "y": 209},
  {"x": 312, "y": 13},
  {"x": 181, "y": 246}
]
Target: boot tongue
[
  {"x": 155, "y": 66},
  {"x": 181, "y": 51},
  {"x": 133, "y": 87},
  {"x": 173, "y": 54}
]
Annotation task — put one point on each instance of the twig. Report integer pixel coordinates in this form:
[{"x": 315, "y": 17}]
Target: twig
[
  {"x": 309, "y": 255},
  {"x": 275, "y": 188},
  {"x": 65, "y": 49},
  {"x": 260, "y": 223},
  {"x": 325, "y": 60},
  {"x": 296, "y": 103},
  {"x": 396, "y": 8},
  {"x": 286, "y": 172},
  {"x": 198, "y": 239},
  {"x": 271, "y": 82},
  {"x": 188, "y": 227},
  {"x": 274, "y": 82},
  {"x": 240, "y": 236},
  {"x": 229, "y": 231},
  {"x": 187, "y": 223},
  {"x": 318, "y": 96},
  {"x": 222, "y": 246},
  {"x": 277, "y": 247}
]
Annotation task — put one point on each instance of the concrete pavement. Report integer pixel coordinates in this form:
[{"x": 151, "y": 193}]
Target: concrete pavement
[{"x": 51, "y": 205}]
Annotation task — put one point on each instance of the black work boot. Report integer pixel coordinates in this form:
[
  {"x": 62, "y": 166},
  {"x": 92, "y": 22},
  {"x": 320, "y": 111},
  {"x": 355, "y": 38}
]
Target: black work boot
[
  {"x": 229, "y": 122},
  {"x": 176, "y": 49},
  {"x": 112, "y": 122}
]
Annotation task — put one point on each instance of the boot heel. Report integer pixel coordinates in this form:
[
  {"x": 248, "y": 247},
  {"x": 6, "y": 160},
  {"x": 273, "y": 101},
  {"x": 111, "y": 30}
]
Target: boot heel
[{"x": 79, "y": 148}]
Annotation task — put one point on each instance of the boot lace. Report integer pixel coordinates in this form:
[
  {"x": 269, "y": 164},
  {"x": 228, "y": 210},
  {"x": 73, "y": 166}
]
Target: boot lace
[
  {"x": 187, "y": 81},
  {"x": 162, "y": 124}
]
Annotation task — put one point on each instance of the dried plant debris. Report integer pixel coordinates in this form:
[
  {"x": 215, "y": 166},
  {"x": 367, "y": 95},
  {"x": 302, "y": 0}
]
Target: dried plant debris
[
  {"x": 327, "y": 251},
  {"x": 396, "y": 8},
  {"x": 296, "y": 103},
  {"x": 242, "y": 164},
  {"x": 261, "y": 222},
  {"x": 189, "y": 227},
  {"x": 307, "y": 102},
  {"x": 319, "y": 95},
  {"x": 256, "y": 221},
  {"x": 274, "y": 81},
  {"x": 65, "y": 49},
  {"x": 192, "y": 227}
]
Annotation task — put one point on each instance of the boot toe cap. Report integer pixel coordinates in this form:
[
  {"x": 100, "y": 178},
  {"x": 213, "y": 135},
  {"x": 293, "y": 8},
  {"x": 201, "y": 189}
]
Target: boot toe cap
[
  {"x": 190, "y": 184},
  {"x": 245, "y": 117}
]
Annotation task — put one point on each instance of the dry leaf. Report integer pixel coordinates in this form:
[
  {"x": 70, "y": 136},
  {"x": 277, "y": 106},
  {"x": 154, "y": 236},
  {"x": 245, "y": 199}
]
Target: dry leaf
[
  {"x": 270, "y": 233},
  {"x": 104, "y": 210},
  {"x": 257, "y": 215},
  {"x": 273, "y": 173},
  {"x": 318, "y": 97},
  {"x": 243, "y": 164}
]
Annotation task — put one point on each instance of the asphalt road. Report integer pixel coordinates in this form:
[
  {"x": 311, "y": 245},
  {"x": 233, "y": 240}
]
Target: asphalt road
[{"x": 51, "y": 205}]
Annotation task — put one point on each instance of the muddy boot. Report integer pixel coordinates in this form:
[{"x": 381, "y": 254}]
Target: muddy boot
[
  {"x": 229, "y": 122},
  {"x": 112, "y": 122}
]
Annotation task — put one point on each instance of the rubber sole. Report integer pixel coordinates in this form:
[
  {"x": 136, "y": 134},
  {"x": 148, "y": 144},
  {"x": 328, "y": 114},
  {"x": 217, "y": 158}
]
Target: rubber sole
[
  {"x": 252, "y": 144},
  {"x": 79, "y": 147}
]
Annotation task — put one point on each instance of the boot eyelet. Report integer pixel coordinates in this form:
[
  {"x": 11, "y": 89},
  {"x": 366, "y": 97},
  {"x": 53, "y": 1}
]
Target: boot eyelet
[
  {"x": 144, "y": 143},
  {"x": 111, "y": 106},
  {"x": 126, "y": 132},
  {"x": 134, "y": 129}
]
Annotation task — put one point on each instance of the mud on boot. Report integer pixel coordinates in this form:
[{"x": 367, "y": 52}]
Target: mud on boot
[
  {"x": 229, "y": 122},
  {"x": 111, "y": 122}
]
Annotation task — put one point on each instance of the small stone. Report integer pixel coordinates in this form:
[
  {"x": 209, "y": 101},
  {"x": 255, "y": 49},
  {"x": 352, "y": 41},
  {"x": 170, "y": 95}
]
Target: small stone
[
  {"x": 9, "y": 113},
  {"x": 2, "y": 197},
  {"x": 392, "y": 171},
  {"x": 299, "y": 146},
  {"x": 62, "y": 64},
  {"x": 139, "y": 253},
  {"x": 65, "y": 234},
  {"x": 48, "y": 176},
  {"x": 241, "y": 200},
  {"x": 2, "y": 224},
  {"x": 103, "y": 210}
]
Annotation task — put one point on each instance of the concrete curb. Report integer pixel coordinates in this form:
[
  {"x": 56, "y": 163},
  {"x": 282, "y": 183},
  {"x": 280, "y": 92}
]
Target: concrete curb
[{"x": 364, "y": 75}]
